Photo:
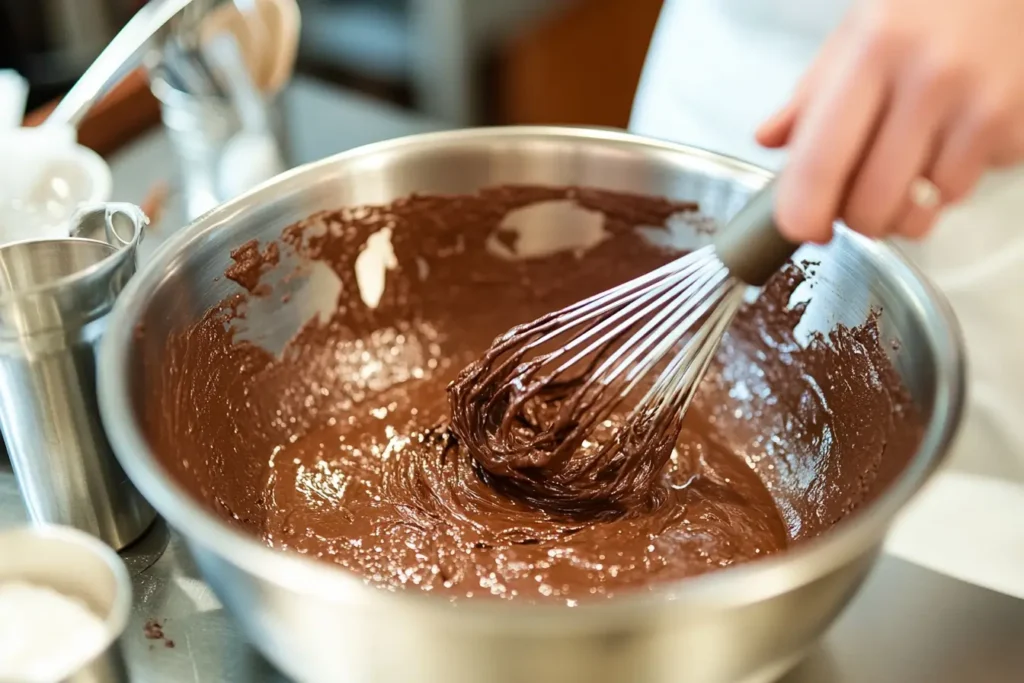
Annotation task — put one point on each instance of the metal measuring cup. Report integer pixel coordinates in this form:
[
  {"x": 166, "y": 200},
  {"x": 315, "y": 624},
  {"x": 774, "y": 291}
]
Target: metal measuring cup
[
  {"x": 77, "y": 566},
  {"x": 54, "y": 299}
]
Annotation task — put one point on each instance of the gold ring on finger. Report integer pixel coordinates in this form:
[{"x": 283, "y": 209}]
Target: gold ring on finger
[{"x": 925, "y": 194}]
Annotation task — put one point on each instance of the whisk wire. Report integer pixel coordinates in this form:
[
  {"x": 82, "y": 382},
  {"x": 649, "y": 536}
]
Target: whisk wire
[
  {"x": 676, "y": 385},
  {"x": 628, "y": 293},
  {"x": 643, "y": 350},
  {"x": 525, "y": 412},
  {"x": 696, "y": 305},
  {"x": 680, "y": 266},
  {"x": 660, "y": 300},
  {"x": 656, "y": 417}
]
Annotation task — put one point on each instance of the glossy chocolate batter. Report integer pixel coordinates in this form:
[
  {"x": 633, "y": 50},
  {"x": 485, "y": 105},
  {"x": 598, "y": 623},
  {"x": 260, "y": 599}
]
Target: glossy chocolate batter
[
  {"x": 537, "y": 410},
  {"x": 340, "y": 448}
]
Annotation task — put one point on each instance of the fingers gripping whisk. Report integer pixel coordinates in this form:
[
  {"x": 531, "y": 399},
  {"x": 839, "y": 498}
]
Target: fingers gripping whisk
[{"x": 543, "y": 410}]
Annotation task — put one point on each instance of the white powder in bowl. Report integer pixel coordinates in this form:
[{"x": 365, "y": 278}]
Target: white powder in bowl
[{"x": 45, "y": 636}]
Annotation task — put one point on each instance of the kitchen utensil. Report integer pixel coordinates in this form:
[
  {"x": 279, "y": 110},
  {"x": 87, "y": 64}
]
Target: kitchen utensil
[
  {"x": 241, "y": 20},
  {"x": 200, "y": 130},
  {"x": 650, "y": 339},
  {"x": 267, "y": 32},
  {"x": 283, "y": 21},
  {"x": 185, "y": 68},
  {"x": 223, "y": 140},
  {"x": 124, "y": 53},
  {"x": 78, "y": 566},
  {"x": 54, "y": 299},
  {"x": 251, "y": 156},
  {"x": 316, "y": 622}
]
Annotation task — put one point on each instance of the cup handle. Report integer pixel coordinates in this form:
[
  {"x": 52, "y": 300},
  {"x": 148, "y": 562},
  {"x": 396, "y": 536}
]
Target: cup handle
[{"x": 105, "y": 222}]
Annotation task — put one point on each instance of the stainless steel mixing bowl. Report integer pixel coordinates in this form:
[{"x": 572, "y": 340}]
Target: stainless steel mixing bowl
[{"x": 318, "y": 623}]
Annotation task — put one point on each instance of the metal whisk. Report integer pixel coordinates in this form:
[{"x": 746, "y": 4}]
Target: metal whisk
[{"x": 535, "y": 411}]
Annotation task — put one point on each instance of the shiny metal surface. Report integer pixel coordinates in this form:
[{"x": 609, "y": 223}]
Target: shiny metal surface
[
  {"x": 76, "y": 565},
  {"x": 124, "y": 53},
  {"x": 881, "y": 638},
  {"x": 662, "y": 327},
  {"x": 749, "y": 623},
  {"x": 751, "y": 246},
  {"x": 54, "y": 299}
]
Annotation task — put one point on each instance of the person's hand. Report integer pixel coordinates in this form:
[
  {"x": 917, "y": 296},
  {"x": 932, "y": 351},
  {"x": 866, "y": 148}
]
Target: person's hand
[{"x": 904, "y": 90}]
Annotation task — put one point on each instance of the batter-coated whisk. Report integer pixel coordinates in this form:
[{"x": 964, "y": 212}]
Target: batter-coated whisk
[{"x": 535, "y": 412}]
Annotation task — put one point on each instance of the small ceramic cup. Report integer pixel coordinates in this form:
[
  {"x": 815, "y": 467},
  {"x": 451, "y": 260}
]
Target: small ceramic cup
[{"x": 78, "y": 566}]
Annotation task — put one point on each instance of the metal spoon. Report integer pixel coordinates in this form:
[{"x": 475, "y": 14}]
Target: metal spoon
[{"x": 251, "y": 155}]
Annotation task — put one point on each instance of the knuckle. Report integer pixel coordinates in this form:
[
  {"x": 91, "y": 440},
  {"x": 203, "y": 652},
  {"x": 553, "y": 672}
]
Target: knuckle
[
  {"x": 863, "y": 219},
  {"x": 953, "y": 191},
  {"x": 812, "y": 168},
  {"x": 1012, "y": 151},
  {"x": 869, "y": 204},
  {"x": 856, "y": 212},
  {"x": 882, "y": 38},
  {"x": 954, "y": 183},
  {"x": 941, "y": 76},
  {"x": 993, "y": 115}
]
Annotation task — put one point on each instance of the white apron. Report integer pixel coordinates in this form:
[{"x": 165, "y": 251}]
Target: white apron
[{"x": 717, "y": 68}]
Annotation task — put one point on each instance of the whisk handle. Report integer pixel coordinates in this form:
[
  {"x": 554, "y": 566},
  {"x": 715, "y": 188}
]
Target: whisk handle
[{"x": 750, "y": 245}]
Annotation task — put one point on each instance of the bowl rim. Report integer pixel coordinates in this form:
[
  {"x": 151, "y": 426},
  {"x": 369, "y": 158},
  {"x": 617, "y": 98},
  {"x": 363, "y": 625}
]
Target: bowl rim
[
  {"x": 61, "y": 281},
  {"x": 858, "y": 535}
]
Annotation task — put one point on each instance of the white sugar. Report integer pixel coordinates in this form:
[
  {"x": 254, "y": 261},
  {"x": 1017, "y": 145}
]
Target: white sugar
[{"x": 44, "y": 635}]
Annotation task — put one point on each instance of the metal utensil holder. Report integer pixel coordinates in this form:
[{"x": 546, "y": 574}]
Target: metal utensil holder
[{"x": 54, "y": 299}]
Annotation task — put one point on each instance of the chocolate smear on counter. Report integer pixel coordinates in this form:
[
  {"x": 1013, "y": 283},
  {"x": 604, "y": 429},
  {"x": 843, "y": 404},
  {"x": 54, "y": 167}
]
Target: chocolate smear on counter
[
  {"x": 154, "y": 630},
  {"x": 339, "y": 447}
]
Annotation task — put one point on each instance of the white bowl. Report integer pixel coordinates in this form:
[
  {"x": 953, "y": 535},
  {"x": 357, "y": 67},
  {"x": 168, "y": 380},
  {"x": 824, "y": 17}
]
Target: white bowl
[{"x": 44, "y": 177}]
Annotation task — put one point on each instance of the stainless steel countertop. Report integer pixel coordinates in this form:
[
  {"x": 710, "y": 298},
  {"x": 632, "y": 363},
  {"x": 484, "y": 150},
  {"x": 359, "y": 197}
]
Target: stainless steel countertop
[{"x": 907, "y": 624}]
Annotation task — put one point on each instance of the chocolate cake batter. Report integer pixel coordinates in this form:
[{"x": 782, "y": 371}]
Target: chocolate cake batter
[
  {"x": 536, "y": 410},
  {"x": 340, "y": 447}
]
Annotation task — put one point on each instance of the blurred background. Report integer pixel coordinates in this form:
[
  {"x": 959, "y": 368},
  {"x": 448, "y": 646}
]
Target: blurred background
[
  {"x": 460, "y": 62},
  {"x": 231, "y": 92}
]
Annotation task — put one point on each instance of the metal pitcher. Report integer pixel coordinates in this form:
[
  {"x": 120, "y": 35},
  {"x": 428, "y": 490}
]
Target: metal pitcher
[{"x": 54, "y": 299}]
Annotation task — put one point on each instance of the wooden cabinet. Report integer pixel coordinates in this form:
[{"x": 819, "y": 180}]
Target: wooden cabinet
[{"x": 578, "y": 67}]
